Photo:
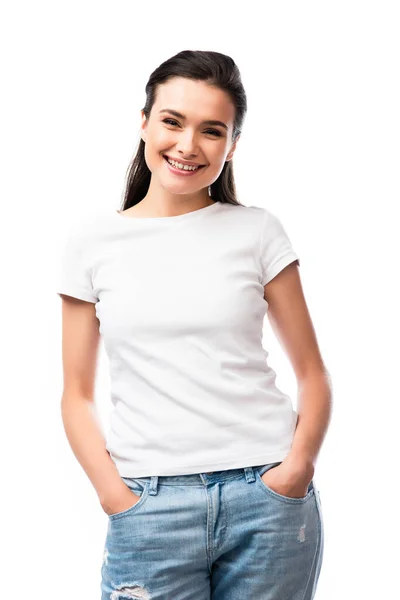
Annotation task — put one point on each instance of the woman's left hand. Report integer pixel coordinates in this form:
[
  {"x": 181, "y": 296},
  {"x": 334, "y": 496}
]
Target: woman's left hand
[{"x": 289, "y": 478}]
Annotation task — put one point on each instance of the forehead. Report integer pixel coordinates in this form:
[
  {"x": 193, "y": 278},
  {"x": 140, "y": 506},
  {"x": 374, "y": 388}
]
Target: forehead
[{"x": 195, "y": 99}]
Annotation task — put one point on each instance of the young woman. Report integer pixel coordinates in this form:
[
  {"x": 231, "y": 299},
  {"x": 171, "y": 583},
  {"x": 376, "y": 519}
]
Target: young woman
[{"x": 207, "y": 475}]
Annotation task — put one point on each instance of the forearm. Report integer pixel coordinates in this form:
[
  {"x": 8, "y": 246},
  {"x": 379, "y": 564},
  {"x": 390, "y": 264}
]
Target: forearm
[
  {"x": 314, "y": 409},
  {"x": 82, "y": 427}
]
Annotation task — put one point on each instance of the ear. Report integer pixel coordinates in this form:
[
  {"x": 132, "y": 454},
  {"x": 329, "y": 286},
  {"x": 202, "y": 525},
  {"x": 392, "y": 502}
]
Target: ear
[
  {"x": 143, "y": 126},
  {"x": 232, "y": 150}
]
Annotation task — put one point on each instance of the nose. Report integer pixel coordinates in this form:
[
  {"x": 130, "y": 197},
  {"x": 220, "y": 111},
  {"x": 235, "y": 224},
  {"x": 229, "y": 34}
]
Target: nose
[{"x": 187, "y": 145}]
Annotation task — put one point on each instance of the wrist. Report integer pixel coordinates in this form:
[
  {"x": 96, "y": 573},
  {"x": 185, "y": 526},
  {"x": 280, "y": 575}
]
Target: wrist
[
  {"x": 107, "y": 497},
  {"x": 300, "y": 462}
]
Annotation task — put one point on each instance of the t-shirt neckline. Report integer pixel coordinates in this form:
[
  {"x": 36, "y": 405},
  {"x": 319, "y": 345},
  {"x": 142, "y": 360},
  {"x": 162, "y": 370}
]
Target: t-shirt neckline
[{"x": 185, "y": 216}]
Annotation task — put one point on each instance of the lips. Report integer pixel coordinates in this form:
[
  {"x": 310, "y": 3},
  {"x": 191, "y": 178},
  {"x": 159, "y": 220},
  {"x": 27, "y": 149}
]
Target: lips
[{"x": 183, "y": 163}]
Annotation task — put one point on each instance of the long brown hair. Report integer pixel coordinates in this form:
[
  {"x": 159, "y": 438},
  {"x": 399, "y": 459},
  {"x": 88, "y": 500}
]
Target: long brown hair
[{"x": 216, "y": 69}]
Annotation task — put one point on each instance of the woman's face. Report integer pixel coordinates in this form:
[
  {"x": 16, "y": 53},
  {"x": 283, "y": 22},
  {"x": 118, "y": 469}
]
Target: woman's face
[{"x": 188, "y": 137}]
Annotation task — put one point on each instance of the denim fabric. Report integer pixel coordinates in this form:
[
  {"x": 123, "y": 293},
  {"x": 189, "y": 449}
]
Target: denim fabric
[{"x": 213, "y": 536}]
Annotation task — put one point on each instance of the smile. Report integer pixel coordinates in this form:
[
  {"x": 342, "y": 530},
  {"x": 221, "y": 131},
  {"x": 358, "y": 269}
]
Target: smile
[{"x": 185, "y": 171}]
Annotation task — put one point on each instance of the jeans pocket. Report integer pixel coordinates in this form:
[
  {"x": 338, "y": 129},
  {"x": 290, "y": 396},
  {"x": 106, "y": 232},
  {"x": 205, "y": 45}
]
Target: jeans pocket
[
  {"x": 140, "y": 489},
  {"x": 277, "y": 496}
]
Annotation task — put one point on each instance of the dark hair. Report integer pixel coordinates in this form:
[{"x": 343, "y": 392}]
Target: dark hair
[{"x": 216, "y": 69}]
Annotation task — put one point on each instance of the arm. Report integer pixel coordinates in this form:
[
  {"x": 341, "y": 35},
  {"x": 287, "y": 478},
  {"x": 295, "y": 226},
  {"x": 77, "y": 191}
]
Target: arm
[
  {"x": 80, "y": 341},
  {"x": 291, "y": 323}
]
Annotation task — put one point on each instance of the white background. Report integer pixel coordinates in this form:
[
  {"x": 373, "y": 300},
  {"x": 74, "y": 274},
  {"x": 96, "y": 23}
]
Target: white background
[{"x": 320, "y": 148}]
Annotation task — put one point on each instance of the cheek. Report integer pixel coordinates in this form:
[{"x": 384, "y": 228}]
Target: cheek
[
  {"x": 217, "y": 159},
  {"x": 162, "y": 139},
  {"x": 218, "y": 153},
  {"x": 154, "y": 148}
]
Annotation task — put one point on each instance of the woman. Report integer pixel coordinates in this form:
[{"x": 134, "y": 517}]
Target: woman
[{"x": 206, "y": 475}]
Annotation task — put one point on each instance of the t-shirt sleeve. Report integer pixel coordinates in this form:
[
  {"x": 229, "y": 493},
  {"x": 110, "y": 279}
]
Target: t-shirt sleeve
[
  {"x": 276, "y": 250},
  {"x": 73, "y": 270}
]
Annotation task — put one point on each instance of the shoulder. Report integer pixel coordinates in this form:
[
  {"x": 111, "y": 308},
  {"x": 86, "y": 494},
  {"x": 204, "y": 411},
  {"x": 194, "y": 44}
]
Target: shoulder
[
  {"x": 83, "y": 234},
  {"x": 241, "y": 211},
  {"x": 257, "y": 213}
]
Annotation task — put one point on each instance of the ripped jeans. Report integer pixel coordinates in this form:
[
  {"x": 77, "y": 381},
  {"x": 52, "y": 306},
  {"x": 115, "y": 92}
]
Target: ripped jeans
[{"x": 213, "y": 536}]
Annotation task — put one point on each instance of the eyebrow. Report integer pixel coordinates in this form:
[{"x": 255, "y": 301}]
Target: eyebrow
[{"x": 181, "y": 116}]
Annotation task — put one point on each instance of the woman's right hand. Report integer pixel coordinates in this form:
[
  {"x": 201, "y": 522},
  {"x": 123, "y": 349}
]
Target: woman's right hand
[{"x": 125, "y": 500}]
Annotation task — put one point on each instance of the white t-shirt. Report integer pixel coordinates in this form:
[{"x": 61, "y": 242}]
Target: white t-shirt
[{"x": 180, "y": 305}]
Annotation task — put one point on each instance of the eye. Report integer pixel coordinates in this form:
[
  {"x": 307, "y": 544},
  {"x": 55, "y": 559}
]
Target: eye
[
  {"x": 212, "y": 131},
  {"x": 169, "y": 121}
]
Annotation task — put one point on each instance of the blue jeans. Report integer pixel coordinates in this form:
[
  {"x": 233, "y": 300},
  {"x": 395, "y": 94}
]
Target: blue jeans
[{"x": 213, "y": 536}]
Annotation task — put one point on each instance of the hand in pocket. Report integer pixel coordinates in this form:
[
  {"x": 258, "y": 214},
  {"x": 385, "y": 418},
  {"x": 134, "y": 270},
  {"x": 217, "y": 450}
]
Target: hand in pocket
[
  {"x": 121, "y": 503},
  {"x": 286, "y": 482}
]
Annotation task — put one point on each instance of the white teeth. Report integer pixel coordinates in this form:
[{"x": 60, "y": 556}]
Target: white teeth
[{"x": 181, "y": 166}]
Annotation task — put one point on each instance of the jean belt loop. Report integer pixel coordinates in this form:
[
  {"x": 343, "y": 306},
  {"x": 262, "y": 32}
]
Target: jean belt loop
[
  {"x": 153, "y": 485},
  {"x": 249, "y": 473}
]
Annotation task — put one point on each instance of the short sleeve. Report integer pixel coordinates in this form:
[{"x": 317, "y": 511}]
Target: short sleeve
[
  {"x": 73, "y": 271},
  {"x": 276, "y": 250}
]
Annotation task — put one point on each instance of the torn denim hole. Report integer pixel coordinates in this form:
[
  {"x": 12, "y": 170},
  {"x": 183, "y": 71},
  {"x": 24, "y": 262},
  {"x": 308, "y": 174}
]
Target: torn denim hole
[{"x": 130, "y": 592}]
